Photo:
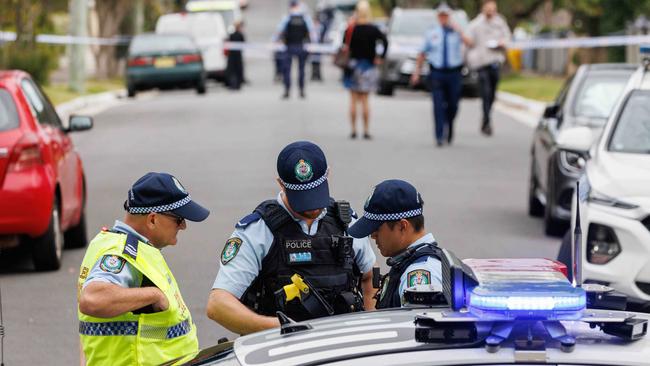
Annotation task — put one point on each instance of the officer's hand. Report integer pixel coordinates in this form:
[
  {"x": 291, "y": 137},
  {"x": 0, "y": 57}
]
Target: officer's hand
[
  {"x": 162, "y": 303},
  {"x": 415, "y": 78}
]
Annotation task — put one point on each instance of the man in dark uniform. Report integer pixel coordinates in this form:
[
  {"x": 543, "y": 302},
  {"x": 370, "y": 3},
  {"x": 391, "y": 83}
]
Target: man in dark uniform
[
  {"x": 294, "y": 31},
  {"x": 393, "y": 218},
  {"x": 235, "y": 67},
  {"x": 302, "y": 231}
]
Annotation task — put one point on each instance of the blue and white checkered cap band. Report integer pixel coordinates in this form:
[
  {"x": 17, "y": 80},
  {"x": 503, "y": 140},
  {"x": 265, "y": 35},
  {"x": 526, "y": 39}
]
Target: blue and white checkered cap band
[
  {"x": 392, "y": 216},
  {"x": 307, "y": 186},
  {"x": 161, "y": 208}
]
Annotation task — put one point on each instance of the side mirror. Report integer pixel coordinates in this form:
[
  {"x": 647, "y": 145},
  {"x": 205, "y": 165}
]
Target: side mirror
[
  {"x": 551, "y": 110},
  {"x": 577, "y": 139},
  {"x": 79, "y": 123}
]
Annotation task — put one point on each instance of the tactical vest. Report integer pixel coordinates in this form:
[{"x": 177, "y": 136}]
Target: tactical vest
[
  {"x": 136, "y": 339},
  {"x": 331, "y": 269},
  {"x": 296, "y": 31},
  {"x": 388, "y": 296}
]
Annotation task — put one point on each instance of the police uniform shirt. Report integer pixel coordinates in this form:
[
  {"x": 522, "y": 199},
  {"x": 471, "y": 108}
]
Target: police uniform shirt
[
  {"x": 422, "y": 271},
  {"x": 116, "y": 270},
  {"x": 252, "y": 243},
  {"x": 437, "y": 54},
  {"x": 285, "y": 21}
]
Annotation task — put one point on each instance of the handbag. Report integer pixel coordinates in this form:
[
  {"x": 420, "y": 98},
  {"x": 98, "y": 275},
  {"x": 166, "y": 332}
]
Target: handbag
[{"x": 342, "y": 56}]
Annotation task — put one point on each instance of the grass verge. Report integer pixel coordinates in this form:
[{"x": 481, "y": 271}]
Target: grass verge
[
  {"x": 542, "y": 88},
  {"x": 61, "y": 93}
]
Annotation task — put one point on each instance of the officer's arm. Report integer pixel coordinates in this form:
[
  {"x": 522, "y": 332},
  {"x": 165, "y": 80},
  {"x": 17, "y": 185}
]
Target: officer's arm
[
  {"x": 368, "y": 291},
  {"x": 107, "y": 300},
  {"x": 225, "y": 309}
]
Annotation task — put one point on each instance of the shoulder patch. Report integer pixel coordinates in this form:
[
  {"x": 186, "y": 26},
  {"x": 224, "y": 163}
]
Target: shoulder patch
[
  {"x": 112, "y": 264},
  {"x": 230, "y": 250},
  {"x": 247, "y": 220},
  {"x": 418, "y": 277}
]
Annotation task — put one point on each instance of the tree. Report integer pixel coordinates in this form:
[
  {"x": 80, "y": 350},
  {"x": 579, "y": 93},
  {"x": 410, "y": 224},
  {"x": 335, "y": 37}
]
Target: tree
[{"x": 110, "y": 13}]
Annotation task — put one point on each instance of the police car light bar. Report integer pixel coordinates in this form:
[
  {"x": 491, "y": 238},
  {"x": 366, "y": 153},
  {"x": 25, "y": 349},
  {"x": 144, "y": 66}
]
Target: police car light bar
[{"x": 644, "y": 51}]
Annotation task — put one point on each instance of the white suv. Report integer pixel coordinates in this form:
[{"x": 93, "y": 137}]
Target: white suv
[{"x": 615, "y": 194}]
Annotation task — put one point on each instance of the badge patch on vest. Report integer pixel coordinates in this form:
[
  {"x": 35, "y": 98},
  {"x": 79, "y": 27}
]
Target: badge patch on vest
[
  {"x": 304, "y": 257},
  {"x": 112, "y": 264},
  {"x": 230, "y": 250},
  {"x": 419, "y": 277}
]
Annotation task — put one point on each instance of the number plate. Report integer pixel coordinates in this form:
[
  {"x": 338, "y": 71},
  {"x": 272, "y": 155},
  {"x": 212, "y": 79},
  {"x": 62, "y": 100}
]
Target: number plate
[{"x": 164, "y": 62}]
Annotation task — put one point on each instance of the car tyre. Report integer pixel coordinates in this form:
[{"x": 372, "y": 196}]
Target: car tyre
[
  {"x": 47, "y": 249},
  {"x": 386, "y": 88},
  {"x": 77, "y": 236},
  {"x": 131, "y": 90},
  {"x": 552, "y": 225},
  {"x": 200, "y": 86},
  {"x": 535, "y": 207},
  {"x": 564, "y": 255}
]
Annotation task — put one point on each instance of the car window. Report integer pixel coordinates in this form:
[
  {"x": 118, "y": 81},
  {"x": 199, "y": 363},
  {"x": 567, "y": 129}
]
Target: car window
[
  {"x": 41, "y": 106},
  {"x": 598, "y": 94},
  {"x": 159, "y": 44},
  {"x": 561, "y": 97},
  {"x": 632, "y": 131},
  {"x": 8, "y": 113}
]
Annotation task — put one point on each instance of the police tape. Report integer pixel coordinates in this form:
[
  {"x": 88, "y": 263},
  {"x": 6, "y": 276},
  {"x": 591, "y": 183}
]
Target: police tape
[{"x": 409, "y": 48}]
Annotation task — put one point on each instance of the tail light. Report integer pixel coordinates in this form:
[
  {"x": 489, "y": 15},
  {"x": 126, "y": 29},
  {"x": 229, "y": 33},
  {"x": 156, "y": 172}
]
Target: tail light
[
  {"x": 140, "y": 61},
  {"x": 188, "y": 59},
  {"x": 26, "y": 154}
]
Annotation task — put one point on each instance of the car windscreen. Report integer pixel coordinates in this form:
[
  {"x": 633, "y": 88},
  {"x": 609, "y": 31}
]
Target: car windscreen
[
  {"x": 632, "y": 131},
  {"x": 161, "y": 44},
  {"x": 598, "y": 93},
  {"x": 8, "y": 113},
  {"x": 413, "y": 24}
]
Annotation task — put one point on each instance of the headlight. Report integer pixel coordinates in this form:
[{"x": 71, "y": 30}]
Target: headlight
[
  {"x": 602, "y": 244},
  {"x": 601, "y": 199},
  {"x": 572, "y": 161}
]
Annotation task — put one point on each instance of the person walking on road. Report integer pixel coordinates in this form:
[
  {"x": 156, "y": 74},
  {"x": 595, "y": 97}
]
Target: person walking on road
[
  {"x": 301, "y": 232},
  {"x": 361, "y": 38},
  {"x": 490, "y": 34},
  {"x": 130, "y": 308},
  {"x": 235, "y": 66},
  {"x": 442, "y": 49},
  {"x": 393, "y": 218},
  {"x": 294, "y": 31}
]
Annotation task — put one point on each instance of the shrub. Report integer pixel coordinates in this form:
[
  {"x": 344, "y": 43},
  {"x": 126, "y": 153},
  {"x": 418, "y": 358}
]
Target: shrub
[{"x": 37, "y": 60}]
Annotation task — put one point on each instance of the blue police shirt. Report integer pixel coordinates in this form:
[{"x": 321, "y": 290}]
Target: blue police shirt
[
  {"x": 283, "y": 25},
  {"x": 115, "y": 270},
  {"x": 256, "y": 239},
  {"x": 421, "y": 272},
  {"x": 434, "y": 50}
]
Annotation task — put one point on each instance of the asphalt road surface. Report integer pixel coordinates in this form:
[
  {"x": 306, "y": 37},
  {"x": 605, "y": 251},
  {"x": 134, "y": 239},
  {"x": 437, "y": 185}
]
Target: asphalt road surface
[{"x": 223, "y": 148}]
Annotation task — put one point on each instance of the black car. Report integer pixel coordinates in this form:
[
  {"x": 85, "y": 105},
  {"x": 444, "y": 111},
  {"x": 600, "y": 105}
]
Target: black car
[{"x": 586, "y": 99}]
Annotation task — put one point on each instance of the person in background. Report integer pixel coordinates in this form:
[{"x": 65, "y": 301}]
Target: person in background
[
  {"x": 442, "y": 50},
  {"x": 489, "y": 33},
  {"x": 361, "y": 77},
  {"x": 235, "y": 67}
]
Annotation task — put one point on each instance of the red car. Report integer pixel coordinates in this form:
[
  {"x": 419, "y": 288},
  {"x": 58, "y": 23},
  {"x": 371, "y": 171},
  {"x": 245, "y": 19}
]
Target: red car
[{"x": 42, "y": 186}]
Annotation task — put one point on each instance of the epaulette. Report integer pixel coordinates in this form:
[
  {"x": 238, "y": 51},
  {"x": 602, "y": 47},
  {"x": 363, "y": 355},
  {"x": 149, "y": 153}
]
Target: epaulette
[
  {"x": 247, "y": 220},
  {"x": 131, "y": 246}
]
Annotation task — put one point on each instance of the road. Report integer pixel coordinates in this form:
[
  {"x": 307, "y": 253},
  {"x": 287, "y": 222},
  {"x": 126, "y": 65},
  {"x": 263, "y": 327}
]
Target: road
[{"x": 223, "y": 147}]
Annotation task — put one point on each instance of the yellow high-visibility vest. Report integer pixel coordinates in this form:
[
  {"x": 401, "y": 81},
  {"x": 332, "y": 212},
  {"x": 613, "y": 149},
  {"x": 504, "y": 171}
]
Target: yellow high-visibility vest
[{"x": 136, "y": 339}]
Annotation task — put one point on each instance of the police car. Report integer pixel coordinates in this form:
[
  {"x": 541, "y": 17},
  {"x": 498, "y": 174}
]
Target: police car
[
  {"x": 615, "y": 194},
  {"x": 512, "y": 311}
]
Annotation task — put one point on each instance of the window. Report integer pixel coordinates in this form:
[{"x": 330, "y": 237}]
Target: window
[
  {"x": 632, "y": 131},
  {"x": 8, "y": 113},
  {"x": 45, "y": 113},
  {"x": 598, "y": 94}
]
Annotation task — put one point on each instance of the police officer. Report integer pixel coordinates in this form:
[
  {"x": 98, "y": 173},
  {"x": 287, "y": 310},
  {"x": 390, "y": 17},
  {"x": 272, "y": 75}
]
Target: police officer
[
  {"x": 442, "y": 50},
  {"x": 301, "y": 232},
  {"x": 294, "y": 31},
  {"x": 130, "y": 308},
  {"x": 393, "y": 218}
]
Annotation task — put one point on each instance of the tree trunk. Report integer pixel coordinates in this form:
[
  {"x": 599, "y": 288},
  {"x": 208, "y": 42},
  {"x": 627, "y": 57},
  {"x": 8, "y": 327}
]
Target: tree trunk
[{"x": 110, "y": 14}]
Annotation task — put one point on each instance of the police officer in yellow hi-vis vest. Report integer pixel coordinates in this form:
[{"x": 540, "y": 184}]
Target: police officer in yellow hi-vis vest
[{"x": 131, "y": 311}]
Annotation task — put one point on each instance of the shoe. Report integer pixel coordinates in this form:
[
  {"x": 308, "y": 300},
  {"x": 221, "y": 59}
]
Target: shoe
[
  {"x": 366, "y": 136},
  {"x": 353, "y": 135},
  {"x": 439, "y": 143},
  {"x": 285, "y": 95},
  {"x": 486, "y": 130},
  {"x": 302, "y": 94}
]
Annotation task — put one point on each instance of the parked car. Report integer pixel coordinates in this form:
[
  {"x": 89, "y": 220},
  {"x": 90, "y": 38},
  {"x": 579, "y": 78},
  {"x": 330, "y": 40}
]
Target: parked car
[
  {"x": 406, "y": 31},
  {"x": 164, "y": 61},
  {"x": 42, "y": 184},
  {"x": 615, "y": 194},
  {"x": 587, "y": 99},
  {"x": 230, "y": 10},
  {"x": 208, "y": 31}
]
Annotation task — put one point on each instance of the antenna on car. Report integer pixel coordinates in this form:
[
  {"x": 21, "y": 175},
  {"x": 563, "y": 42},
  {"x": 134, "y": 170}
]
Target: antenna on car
[{"x": 576, "y": 255}]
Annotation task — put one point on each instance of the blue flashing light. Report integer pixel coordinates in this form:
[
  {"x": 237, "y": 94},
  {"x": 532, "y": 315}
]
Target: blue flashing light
[
  {"x": 644, "y": 49},
  {"x": 560, "y": 303}
]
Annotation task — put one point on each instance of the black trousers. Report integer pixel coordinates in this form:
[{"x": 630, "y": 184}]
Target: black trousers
[{"x": 488, "y": 80}]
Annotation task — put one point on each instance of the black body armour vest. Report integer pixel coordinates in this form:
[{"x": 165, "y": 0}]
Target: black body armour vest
[
  {"x": 388, "y": 295},
  {"x": 296, "y": 32},
  {"x": 329, "y": 267}
]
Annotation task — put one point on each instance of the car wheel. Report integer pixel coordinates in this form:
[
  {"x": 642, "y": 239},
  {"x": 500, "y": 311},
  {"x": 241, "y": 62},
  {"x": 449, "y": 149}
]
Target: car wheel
[
  {"x": 200, "y": 86},
  {"x": 564, "y": 255},
  {"x": 386, "y": 88},
  {"x": 552, "y": 226},
  {"x": 77, "y": 236},
  {"x": 535, "y": 207},
  {"x": 47, "y": 249},
  {"x": 131, "y": 90}
]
